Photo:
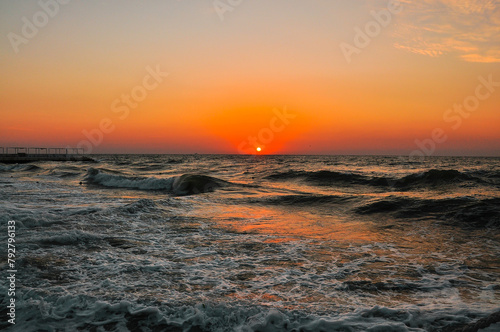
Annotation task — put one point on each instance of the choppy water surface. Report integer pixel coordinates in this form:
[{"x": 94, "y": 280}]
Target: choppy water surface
[{"x": 271, "y": 243}]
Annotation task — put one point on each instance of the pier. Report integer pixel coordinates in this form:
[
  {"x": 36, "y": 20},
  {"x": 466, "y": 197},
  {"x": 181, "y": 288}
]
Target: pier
[{"x": 19, "y": 155}]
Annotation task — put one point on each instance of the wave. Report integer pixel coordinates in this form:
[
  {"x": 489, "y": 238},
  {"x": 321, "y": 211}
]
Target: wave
[
  {"x": 390, "y": 204},
  {"x": 428, "y": 179},
  {"x": 488, "y": 176},
  {"x": 154, "y": 167},
  {"x": 305, "y": 199},
  {"x": 319, "y": 177},
  {"x": 174, "y": 161},
  {"x": 19, "y": 168},
  {"x": 142, "y": 205},
  {"x": 63, "y": 174},
  {"x": 69, "y": 238},
  {"x": 77, "y": 238},
  {"x": 187, "y": 184},
  {"x": 98, "y": 177},
  {"x": 435, "y": 177},
  {"x": 468, "y": 211}
]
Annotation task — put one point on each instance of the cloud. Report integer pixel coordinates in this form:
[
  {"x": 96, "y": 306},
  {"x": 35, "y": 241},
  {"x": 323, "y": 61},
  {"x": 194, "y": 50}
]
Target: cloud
[{"x": 468, "y": 28}]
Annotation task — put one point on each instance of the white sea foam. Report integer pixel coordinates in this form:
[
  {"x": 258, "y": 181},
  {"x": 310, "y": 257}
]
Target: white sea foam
[
  {"x": 119, "y": 181},
  {"x": 79, "y": 312}
]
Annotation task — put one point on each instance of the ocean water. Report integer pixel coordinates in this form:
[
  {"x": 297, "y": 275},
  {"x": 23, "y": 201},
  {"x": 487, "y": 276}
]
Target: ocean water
[{"x": 245, "y": 243}]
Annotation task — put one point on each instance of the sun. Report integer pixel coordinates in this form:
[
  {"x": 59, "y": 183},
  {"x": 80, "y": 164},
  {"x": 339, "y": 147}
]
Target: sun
[{"x": 258, "y": 149}]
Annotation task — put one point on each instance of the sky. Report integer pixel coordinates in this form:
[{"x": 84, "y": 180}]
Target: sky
[{"x": 411, "y": 78}]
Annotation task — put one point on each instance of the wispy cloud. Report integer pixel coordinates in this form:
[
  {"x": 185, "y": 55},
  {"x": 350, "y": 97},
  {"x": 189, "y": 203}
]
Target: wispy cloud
[{"x": 468, "y": 28}]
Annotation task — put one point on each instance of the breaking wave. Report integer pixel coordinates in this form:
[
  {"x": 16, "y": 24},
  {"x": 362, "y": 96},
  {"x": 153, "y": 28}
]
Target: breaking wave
[{"x": 187, "y": 184}]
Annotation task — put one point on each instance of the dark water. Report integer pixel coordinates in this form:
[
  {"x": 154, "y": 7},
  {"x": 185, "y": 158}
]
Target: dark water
[{"x": 270, "y": 243}]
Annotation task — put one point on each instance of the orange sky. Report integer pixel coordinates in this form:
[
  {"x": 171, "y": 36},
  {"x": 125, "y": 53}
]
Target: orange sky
[{"x": 230, "y": 72}]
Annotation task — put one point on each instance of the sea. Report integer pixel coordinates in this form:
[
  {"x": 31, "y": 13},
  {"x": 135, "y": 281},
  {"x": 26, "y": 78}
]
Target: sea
[{"x": 251, "y": 243}]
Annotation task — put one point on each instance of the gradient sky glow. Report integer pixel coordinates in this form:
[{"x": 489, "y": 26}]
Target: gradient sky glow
[{"x": 227, "y": 78}]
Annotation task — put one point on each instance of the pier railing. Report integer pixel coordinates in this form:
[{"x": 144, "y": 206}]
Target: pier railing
[
  {"x": 16, "y": 155},
  {"x": 40, "y": 151}
]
